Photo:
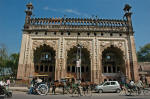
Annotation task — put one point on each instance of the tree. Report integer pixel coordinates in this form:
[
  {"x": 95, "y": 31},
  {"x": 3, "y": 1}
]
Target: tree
[
  {"x": 13, "y": 63},
  {"x": 8, "y": 62},
  {"x": 143, "y": 54},
  {"x": 3, "y": 57}
]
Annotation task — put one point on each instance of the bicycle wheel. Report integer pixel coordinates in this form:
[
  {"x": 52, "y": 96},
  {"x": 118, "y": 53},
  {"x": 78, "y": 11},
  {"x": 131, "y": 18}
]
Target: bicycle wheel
[
  {"x": 146, "y": 91},
  {"x": 128, "y": 92},
  {"x": 42, "y": 89}
]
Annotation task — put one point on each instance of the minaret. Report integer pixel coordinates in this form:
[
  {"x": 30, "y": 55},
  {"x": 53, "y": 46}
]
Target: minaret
[
  {"x": 28, "y": 12},
  {"x": 128, "y": 14},
  {"x": 131, "y": 45}
]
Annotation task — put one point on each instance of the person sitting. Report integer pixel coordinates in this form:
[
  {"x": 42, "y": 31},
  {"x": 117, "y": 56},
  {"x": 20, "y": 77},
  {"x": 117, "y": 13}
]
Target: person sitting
[
  {"x": 132, "y": 85},
  {"x": 2, "y": 83},
  {"x": 2, "y": 87},
  {"x": 140, "y": 84},
  {"x": 53, "y": 87},
  {"x": 39, "y": 80},
  {"x": 31, "y": 90}
]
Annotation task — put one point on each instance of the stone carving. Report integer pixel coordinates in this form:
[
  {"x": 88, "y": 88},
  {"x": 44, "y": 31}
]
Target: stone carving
[{"x": 52, "y": 43}]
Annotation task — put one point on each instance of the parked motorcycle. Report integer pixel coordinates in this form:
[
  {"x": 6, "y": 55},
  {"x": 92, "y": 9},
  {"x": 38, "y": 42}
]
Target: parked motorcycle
[{"x": 4, "y": 92}]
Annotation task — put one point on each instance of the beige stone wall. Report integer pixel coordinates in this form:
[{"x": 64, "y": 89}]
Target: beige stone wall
[
  {"x": 135, "y": 65},
  {"x": 61, "y": 45}
]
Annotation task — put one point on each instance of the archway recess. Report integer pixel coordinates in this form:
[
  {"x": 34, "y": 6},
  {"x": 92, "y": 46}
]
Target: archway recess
[
  {"x": 71, "y": 68},
  {"x": 44, "y": 61},
  {"x": 113, "y": 64}
]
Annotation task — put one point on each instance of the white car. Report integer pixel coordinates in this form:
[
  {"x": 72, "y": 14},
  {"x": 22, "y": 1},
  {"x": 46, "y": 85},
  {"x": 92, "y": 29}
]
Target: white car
[{"x": 108, "y": 86}]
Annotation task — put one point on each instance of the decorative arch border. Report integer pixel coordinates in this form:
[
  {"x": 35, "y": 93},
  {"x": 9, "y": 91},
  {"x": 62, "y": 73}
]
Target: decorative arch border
[
  {"x": 86, "y": 44},
  {"x": 38, "y": 43},
  {"x": 103, "y": 44},
  {"x": 118, "y": 44}
]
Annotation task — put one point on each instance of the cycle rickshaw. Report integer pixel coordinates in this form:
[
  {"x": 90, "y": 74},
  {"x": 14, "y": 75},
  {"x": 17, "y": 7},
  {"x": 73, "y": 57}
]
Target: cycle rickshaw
[{"x": 40, "y": 88}]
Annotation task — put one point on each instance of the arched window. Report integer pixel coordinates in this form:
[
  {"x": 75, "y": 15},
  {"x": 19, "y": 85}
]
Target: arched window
[
  {"x": 112, "y": 60},
  {"x": 45, "y": 56}
]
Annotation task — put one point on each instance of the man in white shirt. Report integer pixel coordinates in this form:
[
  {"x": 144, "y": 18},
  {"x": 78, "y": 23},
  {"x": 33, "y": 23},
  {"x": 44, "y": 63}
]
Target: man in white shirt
[
  {"x": 39, "y": 80},
  {"x": 2, "y": 83},
  {"x": 132, "y": 83}
]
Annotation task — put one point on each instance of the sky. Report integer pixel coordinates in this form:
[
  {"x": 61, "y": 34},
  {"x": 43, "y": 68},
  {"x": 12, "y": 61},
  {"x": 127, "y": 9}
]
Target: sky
[{"x": 12, "y": 16}]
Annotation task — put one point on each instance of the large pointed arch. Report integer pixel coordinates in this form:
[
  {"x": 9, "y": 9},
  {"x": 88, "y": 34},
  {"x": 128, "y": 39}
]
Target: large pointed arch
[
  {"x": 44, "y": 61},
  {"x": 85, "y": 63},
  {"x": 113, "y": 63}
]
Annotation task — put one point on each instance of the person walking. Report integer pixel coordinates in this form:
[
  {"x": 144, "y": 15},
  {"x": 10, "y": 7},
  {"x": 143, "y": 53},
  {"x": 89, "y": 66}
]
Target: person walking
[
  {"x": 7, "y": 83},
  {"x": 53, "y": 87},
  {"x": 32, "y": 83}
]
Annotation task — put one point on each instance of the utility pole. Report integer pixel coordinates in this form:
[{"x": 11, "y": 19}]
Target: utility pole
[{"x": 78, "y": 62}]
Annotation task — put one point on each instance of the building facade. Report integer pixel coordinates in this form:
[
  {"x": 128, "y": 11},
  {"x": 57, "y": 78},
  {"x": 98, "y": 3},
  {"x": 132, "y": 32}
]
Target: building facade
[
  {"x": 144, "y": 72},
  {"x": 90, "y": 49}
]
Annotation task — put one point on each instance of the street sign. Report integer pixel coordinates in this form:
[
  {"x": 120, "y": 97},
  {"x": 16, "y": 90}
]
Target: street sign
[{"x": 78, "y": 63}]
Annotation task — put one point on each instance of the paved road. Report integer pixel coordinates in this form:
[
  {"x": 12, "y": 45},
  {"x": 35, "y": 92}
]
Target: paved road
[{"x": 23, "y": 95}]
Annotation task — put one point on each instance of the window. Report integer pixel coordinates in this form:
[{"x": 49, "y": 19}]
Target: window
[
  {"x": 105, "y": 69},
  {"x": 68, "y": 69},
  {"x": 113, "y": 83},
  {"x": 62, "y": 33},
  {"x": 50, "y": 69},
  {"x": 36, "y": 68},
  {"x": 73, "y": 69},
  {"x": 114, "y": 69},
  {"x": 102, "y": 34},
  {"x": 68, "y": 33},
  {"x": 82, "y": 69},
  {"x": 118, "y": 69},
  {"x": 108, "y": 57},
  {"x": 109, "y": 69},
  {"x": 55, "y": 33},
  {"x": 95, "y": 34},
  {"x": 120, "y": 34},
  {"x": 45, "y": 57},
  {"x": 45, "y": 33},
  {"x": 36, "y": 33},
  {"x": 87, "y": 69},
  {"x": 107, "y": 83},
  {"x": 46, "y": 68},
  {"x": 78, "y": 33},
  {"x": 41, "y": 68},
  {"x": 111, "y": 34}
]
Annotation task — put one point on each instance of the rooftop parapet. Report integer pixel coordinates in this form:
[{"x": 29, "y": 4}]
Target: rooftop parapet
[
  {"x": 78, "y": 21},
  {"x": 79, "y": 24}
]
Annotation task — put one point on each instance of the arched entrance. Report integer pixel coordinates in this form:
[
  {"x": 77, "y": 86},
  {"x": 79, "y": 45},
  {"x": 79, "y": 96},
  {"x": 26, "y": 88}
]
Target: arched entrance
[
  {"x": 85, "y": 63},
  {"x": 113, "y": 64},
  {"x": 44, "y": 61}
]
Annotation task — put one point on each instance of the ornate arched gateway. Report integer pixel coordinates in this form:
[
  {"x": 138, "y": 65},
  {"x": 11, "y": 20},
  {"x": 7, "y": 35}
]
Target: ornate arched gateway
[
  {"x": 44, "y": 61},
  {"x": 85, "y": 64},
  {"x": 113, "y": 63},
  {"x": 49, "y": 43}
]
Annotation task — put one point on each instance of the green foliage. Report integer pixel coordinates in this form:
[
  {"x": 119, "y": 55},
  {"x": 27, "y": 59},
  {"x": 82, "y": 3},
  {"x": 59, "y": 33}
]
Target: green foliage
[
  {"x": 13, "y": 63},
  {"x": 3, "y": 55},
  {"x": 8, "y": 61},
  {"x": 144, "y": 53}
]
